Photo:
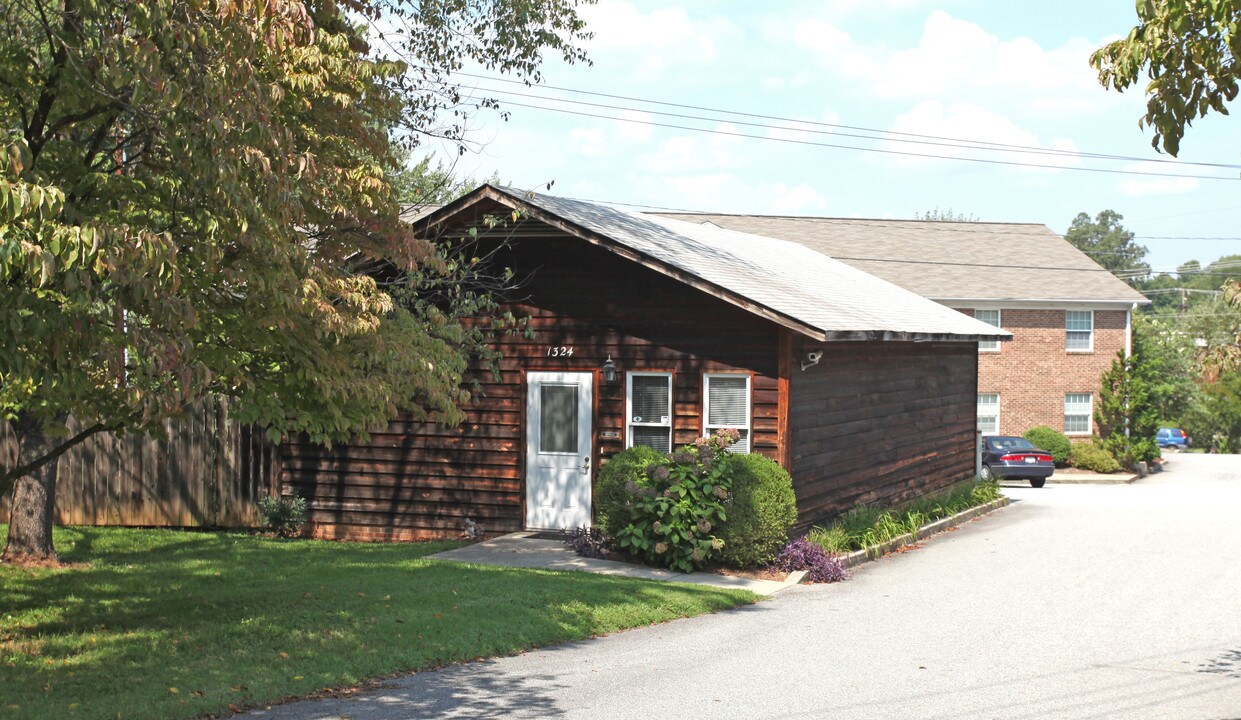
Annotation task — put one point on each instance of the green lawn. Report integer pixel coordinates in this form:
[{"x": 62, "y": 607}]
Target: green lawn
[{"x": 170, "y": 624}]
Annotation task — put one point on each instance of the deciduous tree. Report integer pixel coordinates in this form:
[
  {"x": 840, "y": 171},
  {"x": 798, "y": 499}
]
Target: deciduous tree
[
  {"x": 1108, "y": 243},
  {"x": 184, "y": 185},
  {"x": 1189, "y": 50}
]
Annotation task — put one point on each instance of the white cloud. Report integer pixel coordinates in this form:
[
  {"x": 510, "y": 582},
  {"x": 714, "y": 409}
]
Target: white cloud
[
  {"x": 963, "y": 121},
  {"x": 959, "y": 59},
  {"x": 699, "y": 152},
  {"x": 1145, "y": 186},
  {"x": 587, "y": 141},
  {"x": 799, "y": 200},
  {"x": 653, "y": 42}
]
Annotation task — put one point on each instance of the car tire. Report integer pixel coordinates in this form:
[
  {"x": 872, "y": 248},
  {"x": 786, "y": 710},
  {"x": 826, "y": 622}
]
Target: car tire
[
  {"x": 1038, "y": 482},
  {"x": 986, "y": 473}
]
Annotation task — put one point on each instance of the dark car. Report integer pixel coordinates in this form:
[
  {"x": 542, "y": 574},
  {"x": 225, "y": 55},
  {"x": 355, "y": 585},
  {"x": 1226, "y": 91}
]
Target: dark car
[
  {"x": 1172, "y": 438},
  {"x": 1015, "y": 457}
]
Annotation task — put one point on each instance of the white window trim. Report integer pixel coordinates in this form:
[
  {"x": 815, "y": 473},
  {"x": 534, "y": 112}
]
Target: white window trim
[
  {"x": 998, "y": 401},
  {"x": 749, "y": 407},
  {"x": 1089, "y": 416},
  {"x": 1067, "y": 331},
  {"x": 999, "y": 324},
  {"x": 629, "y": 376}
]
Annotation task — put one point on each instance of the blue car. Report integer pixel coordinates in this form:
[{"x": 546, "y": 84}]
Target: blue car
[
  {"x": 1172, "y": 438},
  {"x": 1015, "y": 457}
]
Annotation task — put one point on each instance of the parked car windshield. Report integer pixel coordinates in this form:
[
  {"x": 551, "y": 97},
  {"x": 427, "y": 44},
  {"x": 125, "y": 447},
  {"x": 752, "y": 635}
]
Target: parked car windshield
[{"x": 1009, "y": 443}]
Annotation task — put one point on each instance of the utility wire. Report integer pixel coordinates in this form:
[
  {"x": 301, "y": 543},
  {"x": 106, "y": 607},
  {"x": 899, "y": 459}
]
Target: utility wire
[
  {"x": 981, "y": 144},
  {"x": 961, "y": 144},
  {"x": 882, "y": 151}
]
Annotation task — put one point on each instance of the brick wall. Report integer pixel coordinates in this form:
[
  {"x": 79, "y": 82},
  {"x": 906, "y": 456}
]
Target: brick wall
[{"x": 1033, "y": 371}]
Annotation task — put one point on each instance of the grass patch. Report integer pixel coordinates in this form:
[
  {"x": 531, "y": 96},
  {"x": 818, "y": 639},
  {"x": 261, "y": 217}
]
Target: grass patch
[
  {"x": 866, "y": 526},
  {"x": 172, "y": 624}
]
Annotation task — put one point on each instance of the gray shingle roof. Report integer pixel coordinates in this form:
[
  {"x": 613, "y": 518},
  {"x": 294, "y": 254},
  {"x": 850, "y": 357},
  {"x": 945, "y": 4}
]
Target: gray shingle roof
[
  {"x": 830, "y": 299},
  {"x": 947, "y": 260}
]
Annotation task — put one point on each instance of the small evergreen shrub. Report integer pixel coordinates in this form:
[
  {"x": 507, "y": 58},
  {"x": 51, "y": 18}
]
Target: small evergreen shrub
[
  {"x": 762, "y": 510},
  {"x": 682, "y": 502},
  {"x": 1089, "y": 456},
  {"x": 801, "y": 554},
  {"x": 613, "y": 503},
  {"x": 1053, "y": 441},
  {"x": 283, "y": 516}
]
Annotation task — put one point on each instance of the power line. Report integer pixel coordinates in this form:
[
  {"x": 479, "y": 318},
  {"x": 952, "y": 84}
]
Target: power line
[
  {"x": 962, "y": 144},
  {"x": 979, "y": 144},
  {"x": 837, "y": 146}
]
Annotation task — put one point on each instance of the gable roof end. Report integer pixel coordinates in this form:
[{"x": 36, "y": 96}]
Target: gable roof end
[{"x": 800, "y": 288}]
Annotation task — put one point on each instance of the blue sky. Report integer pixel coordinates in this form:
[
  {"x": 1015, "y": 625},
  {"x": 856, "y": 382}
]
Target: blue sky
[{"x": 1011, "y": 73}]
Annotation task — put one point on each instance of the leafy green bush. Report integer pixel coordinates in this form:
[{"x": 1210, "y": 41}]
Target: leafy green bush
[
  {"x": 680, "y": 504},
  {"x": 613, "y": 503},
  {"x": 1089, "y": 456},
  {"x": 762, "y": 510},
  {"x": 283, "y": 516},
  {"x": 1053, "y": 441}
]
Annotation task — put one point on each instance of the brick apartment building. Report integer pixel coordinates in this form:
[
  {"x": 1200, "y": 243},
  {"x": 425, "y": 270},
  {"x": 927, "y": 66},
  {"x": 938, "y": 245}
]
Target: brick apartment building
[{"x": 1068, "y": 316}]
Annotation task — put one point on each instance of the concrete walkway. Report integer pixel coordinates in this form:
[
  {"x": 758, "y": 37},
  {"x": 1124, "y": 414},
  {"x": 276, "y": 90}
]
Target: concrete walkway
[{"x": 519, "y": 549}]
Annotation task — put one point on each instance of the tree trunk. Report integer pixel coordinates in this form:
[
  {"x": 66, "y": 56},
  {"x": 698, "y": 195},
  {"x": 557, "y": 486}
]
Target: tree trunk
[{"x": 34, "y": 499}]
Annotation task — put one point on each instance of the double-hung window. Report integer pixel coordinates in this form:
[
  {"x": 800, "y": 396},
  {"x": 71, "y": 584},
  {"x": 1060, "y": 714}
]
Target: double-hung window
[
  {"x": 1079, "y": 330},
  {"x": 648, "y": 403},
  {"x": 991, "y": 317},
  {"x": 1077, "y": 411},
  {"x": 726, "y": 404},
  {"x": 989, "y": 413}
]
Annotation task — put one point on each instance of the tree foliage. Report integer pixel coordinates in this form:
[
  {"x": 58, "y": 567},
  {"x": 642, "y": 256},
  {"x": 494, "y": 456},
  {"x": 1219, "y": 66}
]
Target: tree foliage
[
  {"x": 185, "y": 186},
  {"x": 1188, "y": 49},
  {"x": 1108, "y": 243}
]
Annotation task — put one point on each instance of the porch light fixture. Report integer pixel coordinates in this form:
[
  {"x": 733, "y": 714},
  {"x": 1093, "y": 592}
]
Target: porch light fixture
[{"x": 609, "y": 371}]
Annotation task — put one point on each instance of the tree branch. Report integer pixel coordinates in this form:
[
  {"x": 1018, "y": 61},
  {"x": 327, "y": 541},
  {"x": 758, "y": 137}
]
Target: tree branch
[{"x": 11, "y": 475}]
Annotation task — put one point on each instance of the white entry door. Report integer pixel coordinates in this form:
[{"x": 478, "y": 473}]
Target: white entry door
[{"x": 558, "y": 449}]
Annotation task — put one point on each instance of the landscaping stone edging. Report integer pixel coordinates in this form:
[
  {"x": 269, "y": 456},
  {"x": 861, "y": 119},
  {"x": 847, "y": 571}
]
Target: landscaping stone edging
[{"x": 857, "y": 557}]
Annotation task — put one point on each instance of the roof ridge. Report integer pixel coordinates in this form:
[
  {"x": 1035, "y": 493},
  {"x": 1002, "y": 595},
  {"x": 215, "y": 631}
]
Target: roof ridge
[{"x": 697, "y": 213}]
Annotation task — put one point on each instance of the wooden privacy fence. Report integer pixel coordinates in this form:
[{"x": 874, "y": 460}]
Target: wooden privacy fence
[{"x": 210, "y": 472}]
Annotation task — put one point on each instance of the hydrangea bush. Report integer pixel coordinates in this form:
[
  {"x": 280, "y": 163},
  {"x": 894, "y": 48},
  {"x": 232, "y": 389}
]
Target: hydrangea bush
[{"x": 673, "y": 515}]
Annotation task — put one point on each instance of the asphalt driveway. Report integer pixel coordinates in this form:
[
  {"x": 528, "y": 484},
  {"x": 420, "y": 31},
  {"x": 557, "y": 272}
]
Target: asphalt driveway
[{"x": 1119, "y": 601}]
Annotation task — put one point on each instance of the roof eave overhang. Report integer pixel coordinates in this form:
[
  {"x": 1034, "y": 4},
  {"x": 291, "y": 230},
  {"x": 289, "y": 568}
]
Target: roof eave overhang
[
  {"x": 1039, "y": 303},
  {"x": 902, "y": 336},
  {"x": 487, "y": 192}
]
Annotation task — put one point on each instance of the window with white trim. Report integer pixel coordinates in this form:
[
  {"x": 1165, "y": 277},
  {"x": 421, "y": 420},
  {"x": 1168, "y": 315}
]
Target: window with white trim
[
  {"x": 1079, "y": 330},
  {"x": 1077, "y": 411},
  {"x": 726, "y": 404},
  {"x": 648, "y": 409},
  {"x": 991, "y": 317},
  {"x": 989, "y": 413}
]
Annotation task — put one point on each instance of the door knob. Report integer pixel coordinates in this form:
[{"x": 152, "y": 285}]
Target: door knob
[{"x": 585, "y": 466}]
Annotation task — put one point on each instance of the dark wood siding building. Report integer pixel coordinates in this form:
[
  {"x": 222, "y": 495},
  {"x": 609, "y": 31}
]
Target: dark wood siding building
[{"x": 873, "y": 419}]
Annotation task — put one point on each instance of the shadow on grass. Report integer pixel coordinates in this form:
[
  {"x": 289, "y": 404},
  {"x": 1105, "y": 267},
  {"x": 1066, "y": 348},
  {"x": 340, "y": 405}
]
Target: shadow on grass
[{"x": 175, "y": 624}]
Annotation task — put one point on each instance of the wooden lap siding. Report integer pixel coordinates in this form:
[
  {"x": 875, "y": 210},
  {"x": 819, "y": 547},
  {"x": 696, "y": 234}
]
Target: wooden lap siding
[
  {"x": 417, "y": 480},
  {"x": 880, "y": 423}
]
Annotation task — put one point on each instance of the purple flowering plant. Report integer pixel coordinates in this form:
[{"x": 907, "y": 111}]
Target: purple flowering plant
[
  {"x": 801, "y": 554},
  {"x": 682, "y": 500}
]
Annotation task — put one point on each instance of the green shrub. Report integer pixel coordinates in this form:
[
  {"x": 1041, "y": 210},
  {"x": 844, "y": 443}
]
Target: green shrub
[
  {"x": 1089, "y": 456},
  {"x": 985, "y": 491},
  {"x": 283, "y": 516},
  {"x": 613, "y": 503},
  {"x": 681, "y": 503},
  {"x": 869, "y": 525},
  {"x": 762, "y": 510},
  {"x": 1053, "y": 441}
]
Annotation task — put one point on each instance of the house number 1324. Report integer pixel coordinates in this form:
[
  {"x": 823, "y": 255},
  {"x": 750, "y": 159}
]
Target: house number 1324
[{"x": 560, "y": 351}]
